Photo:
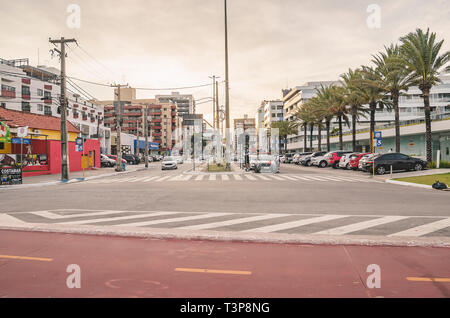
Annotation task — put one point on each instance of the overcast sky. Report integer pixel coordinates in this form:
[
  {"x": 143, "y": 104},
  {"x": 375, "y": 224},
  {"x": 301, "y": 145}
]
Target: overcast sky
[{"x": 273, "y": 44}]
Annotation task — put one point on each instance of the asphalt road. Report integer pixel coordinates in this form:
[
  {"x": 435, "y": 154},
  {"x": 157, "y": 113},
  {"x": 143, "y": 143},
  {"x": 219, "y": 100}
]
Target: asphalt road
[
  {"x": 37, "y": 265},
  {"x": 298, "y": 200}
]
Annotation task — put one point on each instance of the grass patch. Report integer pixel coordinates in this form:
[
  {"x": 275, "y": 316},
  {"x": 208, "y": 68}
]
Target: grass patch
[
  {"x": 217, "y": 167},
  {"x": 442, "y": 164},
  {"x": 428, "y": 180}
]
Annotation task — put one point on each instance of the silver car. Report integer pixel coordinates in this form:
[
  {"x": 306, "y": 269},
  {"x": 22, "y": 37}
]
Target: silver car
[
  {"x": 169, "y": 163},
  {"x": 267, "y": 163}
]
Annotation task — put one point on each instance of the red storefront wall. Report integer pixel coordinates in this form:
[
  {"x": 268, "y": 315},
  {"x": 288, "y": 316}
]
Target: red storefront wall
[{"x": 53, "y": 150}]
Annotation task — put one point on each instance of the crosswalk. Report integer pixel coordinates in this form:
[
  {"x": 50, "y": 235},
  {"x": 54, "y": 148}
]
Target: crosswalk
[
  {"x": 233, "y": 177},
  {"x": 287, "y": 223}
]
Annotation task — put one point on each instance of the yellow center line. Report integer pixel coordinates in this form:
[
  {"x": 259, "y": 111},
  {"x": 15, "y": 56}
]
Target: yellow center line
[
  {"x": 212, "y": 271},
  {"x": 428, "y": 279},
  {"x": 41, "y": 259}
]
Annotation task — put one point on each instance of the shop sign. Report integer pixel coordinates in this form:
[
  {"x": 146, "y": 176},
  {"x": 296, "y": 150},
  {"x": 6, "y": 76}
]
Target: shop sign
[{"x": 9, "y": 176}]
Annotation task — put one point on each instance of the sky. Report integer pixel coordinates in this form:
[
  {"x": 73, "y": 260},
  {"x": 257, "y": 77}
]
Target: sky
[{"x": 273, "y": 44}]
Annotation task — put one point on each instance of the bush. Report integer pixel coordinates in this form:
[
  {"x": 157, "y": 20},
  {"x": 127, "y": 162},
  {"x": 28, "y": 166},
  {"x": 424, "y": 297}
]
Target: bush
[{"x": 442, "y": 164}]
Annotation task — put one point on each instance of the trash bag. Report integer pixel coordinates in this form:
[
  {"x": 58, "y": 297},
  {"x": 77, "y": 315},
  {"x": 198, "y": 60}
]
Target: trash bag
[{"x": 439, "y": 185}]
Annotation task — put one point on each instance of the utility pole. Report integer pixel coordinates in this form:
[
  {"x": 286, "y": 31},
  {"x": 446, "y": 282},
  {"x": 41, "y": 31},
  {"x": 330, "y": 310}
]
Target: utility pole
[
  {"x": 214, "y": 100},
  {"x": 137, "y": 148},
  {"x": 227, "y": 96},
  {"x": 217, "y": 106},
  {"x": 118, "y": 129},
  {"x": 146, "y": 135},
  {"x": 63, "y": 102}
]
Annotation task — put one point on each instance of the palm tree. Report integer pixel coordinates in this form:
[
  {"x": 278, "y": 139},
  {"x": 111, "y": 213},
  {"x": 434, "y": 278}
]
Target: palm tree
[
  {"x": 354, "y": 99},
  {"x": 285, "y": 128},
  {"x": 372, "y": 89},
  {"x": 316, "y": 108},
  {"x": 304, "y": 117},
  {"x": 395, "y": 76},
  {"x": 420, "y": 53},
  {"x": 339, "y": 108},
  {"x": 324, "y": 104}
]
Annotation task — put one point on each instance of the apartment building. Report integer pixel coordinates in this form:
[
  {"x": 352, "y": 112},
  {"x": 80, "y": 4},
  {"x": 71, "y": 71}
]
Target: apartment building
[
  {"x": 273, "y": 112},
  {"x": 37, "y": 90},
  {"x": 185, "y": 102}
]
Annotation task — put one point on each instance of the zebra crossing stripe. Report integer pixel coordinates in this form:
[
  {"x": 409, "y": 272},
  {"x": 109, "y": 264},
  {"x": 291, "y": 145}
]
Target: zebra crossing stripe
[
  {"x": 316, "y": 179},
  {"x": 179, "y": 219},
  {"x": 186, "y": 178},
  {"x": 225, "y": 177},
  {"x": 237, "y": 177},
  {"x": 353, "y": 179},
  {"x": 293, "y": 224},
  {"x": 118, "y": 218},
  {"x": 176, "y": 178},
  {"x": 212, "y": 177},
  {"x": 277, "y": 178},
  {"x": 361, "y": 225},
  {"x": 302, "y": 178},
  {"x": 162, "y": 179},
  {"x": 425, "y": 229},
  {"x": 263, "y": 177},
  {"x": 251, "y": 177},
  {"x": 139, "y": 179},
  {"x": 149, "y": 179},
  {"x": 231, "y": 222},
  {"x": 334, "y": 179},
  {"x": 52, "y": 216},
  {"x": 199, "y": 178},
  {"x": 288, "y": 178},
  {"x": 126, "y": 180}
]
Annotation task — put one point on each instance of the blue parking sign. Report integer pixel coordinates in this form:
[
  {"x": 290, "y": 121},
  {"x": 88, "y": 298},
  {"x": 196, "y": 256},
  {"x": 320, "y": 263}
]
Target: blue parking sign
[{"x": 379, "y": 142}]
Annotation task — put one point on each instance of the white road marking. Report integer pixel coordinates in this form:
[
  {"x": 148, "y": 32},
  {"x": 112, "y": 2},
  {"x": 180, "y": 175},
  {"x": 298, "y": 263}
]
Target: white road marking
[
  {"x": 162, "y": 179},
  {"x": 118, "y": 218},
  {"x": 293, "y": 224},
  {"x": 52, "y": 216},
  {"x": 425, "y": 229},
  {"x": 277, "y": 178},
  {"x": 262, "y": 177},
  {"x": 199, "y": 177},
  {"x": 179, "y": 219},
  {"x": 249, "y": 177},
  {"x": 361, "y": 225},
  {"x": 288, "y": 178},
  {"x": 212, "y": 177},
  {"x": 225, "y": 177},
  {"x": 302, "y": 178},
  {"x": 237, "y": 177},
  {"x": 187, "y": 177},
  {"x": 231, "y": 222},
  {"x": 5, "y": 218}
]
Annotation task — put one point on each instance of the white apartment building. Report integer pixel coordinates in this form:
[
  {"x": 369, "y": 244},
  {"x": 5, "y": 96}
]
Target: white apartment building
[
  {"x": 259, "y": 117},
  {"x": 185, "y": 102},
  {"x": 37, "y": 90},
  {"x": 273, "y": 112}
]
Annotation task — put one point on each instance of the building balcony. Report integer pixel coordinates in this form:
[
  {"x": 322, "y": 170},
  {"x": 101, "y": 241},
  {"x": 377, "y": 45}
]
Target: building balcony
[
  {"x": 108, "y": 108},
  {"x": 154, "y": 107},
  {"x": 108, "y": 115},
  {"x": 132, "y": 114},
  {"x": 92, "y": 120},
  {"x": 132, "y": 107},
  {"x": 10, "y": 94},
  {"x": 27, "y": 97},
  {"x": 174, "y": 114},
  {"x": 47, "y": 101},
  {"x": 157, "y": 134},
  {"x": 48, "y": 87},
  {"x": 155, "y": 127},
  {"x": 154, "y": 113},
  {"x": 26, "y": 81},
  {"x": 75, "y": 116},
  {"x": 156, "y": 120}
]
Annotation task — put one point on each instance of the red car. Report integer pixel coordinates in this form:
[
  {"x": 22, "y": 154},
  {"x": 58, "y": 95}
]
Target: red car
[
  {"x": 334, "y": 157},
  {"x": 354, "y": 160},
  {"x": 114, "y": 157}
]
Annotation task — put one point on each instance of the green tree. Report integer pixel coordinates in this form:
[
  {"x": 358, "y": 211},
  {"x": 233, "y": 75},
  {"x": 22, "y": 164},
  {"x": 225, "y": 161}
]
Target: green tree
[{"x": 420, "y": 53}]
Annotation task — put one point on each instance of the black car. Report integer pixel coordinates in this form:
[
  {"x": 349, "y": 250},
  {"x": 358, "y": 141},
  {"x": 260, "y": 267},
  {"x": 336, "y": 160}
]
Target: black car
[
  {"x": 306, "y": 160},
  {"x": 398, "y": 161},
  {"x": 131, "y": 159}
]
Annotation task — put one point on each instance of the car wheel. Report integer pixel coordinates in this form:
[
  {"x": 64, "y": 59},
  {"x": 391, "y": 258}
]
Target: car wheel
[
  {"x": 418, "y": 167},
  {"x": 380, "y": 170},
  {"x": 348, "y": 166},
  {"x": 335, "y": 165},
  {"x": 309, "y": 163},
  {"x": 322, "y": 164}
]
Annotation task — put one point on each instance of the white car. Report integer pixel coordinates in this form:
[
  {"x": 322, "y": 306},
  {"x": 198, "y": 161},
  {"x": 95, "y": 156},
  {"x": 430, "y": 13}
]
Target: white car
[
  {"x": 267, "y": 163},
  {"x": 319, "y": 161},
  {"x": 179, "y": 159},
  {"x": 344, "y": 162},
  {"x": 169, "y": 163}
]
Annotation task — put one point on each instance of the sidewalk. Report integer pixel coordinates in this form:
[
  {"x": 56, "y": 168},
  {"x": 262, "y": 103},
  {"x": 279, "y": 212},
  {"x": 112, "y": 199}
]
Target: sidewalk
[
  {"x": 397, "y": 175},
  {"x": 52, "y": 179}
]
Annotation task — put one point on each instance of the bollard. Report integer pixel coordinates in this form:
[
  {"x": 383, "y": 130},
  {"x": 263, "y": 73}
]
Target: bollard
[{"x": 391, "y": 171}]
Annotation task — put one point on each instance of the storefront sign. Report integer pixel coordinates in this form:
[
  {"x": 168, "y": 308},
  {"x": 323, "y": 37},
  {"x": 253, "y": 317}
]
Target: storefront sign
[
  {"x": 21, "y": 140},
  {"x": 10, "y": 176},
  {"x": 5, "y": 134}
]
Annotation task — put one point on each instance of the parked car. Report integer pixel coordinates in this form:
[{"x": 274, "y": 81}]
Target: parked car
[
  {"x": 344, "y": 162},
  {"x": 131, "y": 159},
  {"x": 334, "y": 157},
  {"x": 267, "y": 163},
  {"x": 288, "y": 157},
  {"x": 320, "y": 161},
  {"x": 253, "y": 160},
  {"x": 355, "y": 159},
  {"x": 169, "y": 162},
  {"x": 307, "y": 160},
  {"x": 298, "y": 157},
  {"x": 114, "y": 157},
  {"x": 398, "y": 161},
  {"x": 105, "y": 161},
  {"x": 282, "y": 159}
]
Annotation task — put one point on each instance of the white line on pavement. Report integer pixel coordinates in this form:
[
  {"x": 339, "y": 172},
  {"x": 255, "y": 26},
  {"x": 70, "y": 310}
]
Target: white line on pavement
[
  {"x": 225, "y": 177},
  {"x": 361, "y": 225},
  {"x": 180, "y": 219},
  {"x": 199, "y": 177},
  {"x": 231, "y": 222},
  {"x": 49, "y": 215},
  {"x": 237, "y": 177},
  {"x": 249, "y": 177},
  {"x": 425, "y": 229},
  {"x": 118, "y": 218},
  {"x": 162, "y": 179},
  {"x": 212, "y": 177},
  {"x": 293, "y": 224}
]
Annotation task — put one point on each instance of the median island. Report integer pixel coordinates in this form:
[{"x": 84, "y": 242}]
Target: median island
[{"x": 428, "y": 180}]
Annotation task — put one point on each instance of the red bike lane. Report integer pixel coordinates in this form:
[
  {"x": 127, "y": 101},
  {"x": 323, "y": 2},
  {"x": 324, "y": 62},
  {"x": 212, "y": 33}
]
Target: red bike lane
[{"x": 34, "y": 264}]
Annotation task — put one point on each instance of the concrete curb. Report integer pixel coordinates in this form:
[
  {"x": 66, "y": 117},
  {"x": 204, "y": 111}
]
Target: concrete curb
[
  {"x": 174, "y": 234},
  {"x": 409, "y": 184},
  {"x": 75, "y": 180}
]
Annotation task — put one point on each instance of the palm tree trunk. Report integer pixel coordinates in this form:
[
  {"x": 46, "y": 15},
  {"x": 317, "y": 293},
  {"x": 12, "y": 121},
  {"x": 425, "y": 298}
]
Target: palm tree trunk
[
  {"x": 397, "y": 121},
  {"x": 327, "y": 124},
  {"x": 353, "y": 131},
  {"x": 304, "y": 140},
  {"x": 285, "y": 144},
  {"x": 340, "y": 133},
  {"x": 372, "y": 123},
  {"x": 311, "y": 137},
  {"x": 319, "y": 137},
  {"x": 426, "y": 101}
]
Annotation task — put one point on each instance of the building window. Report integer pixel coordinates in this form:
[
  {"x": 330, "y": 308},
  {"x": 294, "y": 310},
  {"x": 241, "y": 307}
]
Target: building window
[
  {"x": 3, "y": 105},
  {"x": 26, "y": 90},
  {"x": 47, "y": 95},
  {"x": 8, "y": 88},
  {"x": 26, "y": 107},
  {"x": 47, "y": 110},
  {"x": 40, "y": 92},
  {"x": 40, "y": 107}
]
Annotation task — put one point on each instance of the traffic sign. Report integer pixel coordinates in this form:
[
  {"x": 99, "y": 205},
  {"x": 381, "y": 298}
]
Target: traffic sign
[
  {"x": 378, "y": 135},
  {"x": 379, "y": 142},
  {"x": 79, "y": 144}
]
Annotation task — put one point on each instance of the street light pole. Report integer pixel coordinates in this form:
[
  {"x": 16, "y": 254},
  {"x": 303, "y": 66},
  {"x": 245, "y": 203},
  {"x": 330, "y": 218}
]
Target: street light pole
[
  {"x": 146, "y": 135},
  {"x": 227, "y": 96}
]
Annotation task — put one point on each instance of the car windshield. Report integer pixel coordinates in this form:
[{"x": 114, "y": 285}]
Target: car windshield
[
  {"x": 168, "y": 159},
  {"x": 265, "y": 157}
]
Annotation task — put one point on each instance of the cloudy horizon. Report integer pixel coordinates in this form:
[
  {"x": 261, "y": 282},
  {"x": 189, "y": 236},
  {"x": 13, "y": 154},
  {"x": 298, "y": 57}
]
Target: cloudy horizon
[{"x": 171, "y": 43}]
